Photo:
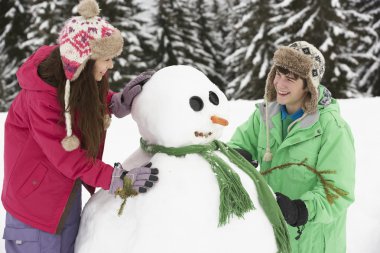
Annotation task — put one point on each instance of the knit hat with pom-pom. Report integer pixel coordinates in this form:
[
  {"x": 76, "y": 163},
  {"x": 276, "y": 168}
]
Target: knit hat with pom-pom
[{"x": 82, "y": 38}]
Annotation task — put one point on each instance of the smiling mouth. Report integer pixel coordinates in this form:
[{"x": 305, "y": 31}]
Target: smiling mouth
[
  {"x": 283, "y": 93},
  {"x": 202, "y": 134}
]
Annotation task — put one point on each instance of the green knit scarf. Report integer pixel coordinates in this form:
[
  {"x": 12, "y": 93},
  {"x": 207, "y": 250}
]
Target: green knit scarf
[{"x": 234, "y": 199}]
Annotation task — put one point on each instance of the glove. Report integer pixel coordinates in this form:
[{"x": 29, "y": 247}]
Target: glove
[
  {"x": 142, "y": 178},
  {"x": 121, "y": 102},
  {"x": 294, "y": 211},
  {"x": 247, "y": 156}
]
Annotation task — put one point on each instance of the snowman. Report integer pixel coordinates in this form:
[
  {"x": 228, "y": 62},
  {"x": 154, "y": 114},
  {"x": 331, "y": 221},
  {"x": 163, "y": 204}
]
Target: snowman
[{"x": 194, "y": 207}]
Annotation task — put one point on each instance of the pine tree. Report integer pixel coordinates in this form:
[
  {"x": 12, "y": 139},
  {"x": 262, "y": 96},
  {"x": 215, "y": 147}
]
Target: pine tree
[
  {"x": 345, "y": 37},
  {"x": 221, "y": 29},
  {"x": 182, "y": 39},
  {"x": 325, "y": 24},
  {"x": 249, "y": 62},
  {"x": 368, "y": 77},
  {"x": 174, "y": 42},
  {"x": 47, "y": 20},
  {"x": 13, "y": 21},
  {"x": 137, "y": 55},
  {"x": 228, "y": 19},
  {"x": 211, "y": 56}
]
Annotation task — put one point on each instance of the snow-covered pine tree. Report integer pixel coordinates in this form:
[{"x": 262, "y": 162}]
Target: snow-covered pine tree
[
  {"x": 368, "y": 74},
  {"x": 211, "y": 54},
  {"x": 221, "y": 30},
  {"x": 179, "y": 37},
  {"x": 174, "y": 41},
  {"x": 326, "y": 24},
  {"x": 137, "y": 55},
  {"x": 13, "y": 21},
  {"x": 47, "y": 20},
  {"x": 228, "y": 19},
  {"x": 252, "y": 49},
  {"x": 220, "y": 11}
]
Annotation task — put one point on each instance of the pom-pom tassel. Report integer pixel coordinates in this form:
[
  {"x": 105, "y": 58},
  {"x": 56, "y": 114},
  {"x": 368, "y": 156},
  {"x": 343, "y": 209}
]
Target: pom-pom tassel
[
  {"x": 107, "y": 121},
  {"x": 70, "y": 143},
  {"x": 267, "y": 156},
  {"x": 88, "y": 8}
]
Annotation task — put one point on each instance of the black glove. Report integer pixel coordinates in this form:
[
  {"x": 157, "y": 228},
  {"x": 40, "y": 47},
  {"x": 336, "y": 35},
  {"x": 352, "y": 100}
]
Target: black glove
[
  {"x": 247, "y": 156},
  {"x": 294, "y": 211}
]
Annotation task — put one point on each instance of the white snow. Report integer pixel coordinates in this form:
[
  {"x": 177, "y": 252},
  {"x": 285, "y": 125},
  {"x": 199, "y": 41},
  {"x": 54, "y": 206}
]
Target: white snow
[
  {"x": 10, "y": 13},
  {"x": 363, "y": 223},
  {"x": 308, "y": 24},
  {"x": 291, "y": 20}
]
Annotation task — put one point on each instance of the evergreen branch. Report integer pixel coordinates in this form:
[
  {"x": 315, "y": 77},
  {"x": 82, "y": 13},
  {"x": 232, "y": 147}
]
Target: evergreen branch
[
  {"x": 332, "y": 192},
  {"x": 124, "y": 193}
]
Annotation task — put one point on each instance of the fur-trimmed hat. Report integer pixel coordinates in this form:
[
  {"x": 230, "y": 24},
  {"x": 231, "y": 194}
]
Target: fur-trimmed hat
[
  {"x": 82, "y": 38},
  {"x": 303, "y": 59}
]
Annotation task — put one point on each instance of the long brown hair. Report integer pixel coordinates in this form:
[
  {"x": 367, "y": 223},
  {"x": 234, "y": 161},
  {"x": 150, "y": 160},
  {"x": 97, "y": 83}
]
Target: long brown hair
[{"x": 87, "y": 103}]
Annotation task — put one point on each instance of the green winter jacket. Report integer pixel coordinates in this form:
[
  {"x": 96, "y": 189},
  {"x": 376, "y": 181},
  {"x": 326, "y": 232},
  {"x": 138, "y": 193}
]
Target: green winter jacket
[{"x": 325, "y": 140}]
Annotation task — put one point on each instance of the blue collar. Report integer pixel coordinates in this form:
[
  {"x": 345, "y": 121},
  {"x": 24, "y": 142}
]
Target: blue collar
[{"x": 294, "y": 116}]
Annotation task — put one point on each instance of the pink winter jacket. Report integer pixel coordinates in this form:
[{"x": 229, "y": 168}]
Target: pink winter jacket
[{"x": 39, "y": 175}]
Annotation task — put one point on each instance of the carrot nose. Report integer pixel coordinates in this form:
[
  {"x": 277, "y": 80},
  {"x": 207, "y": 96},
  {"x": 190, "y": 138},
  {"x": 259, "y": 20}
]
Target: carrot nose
[{"x": 218, "y": 120}]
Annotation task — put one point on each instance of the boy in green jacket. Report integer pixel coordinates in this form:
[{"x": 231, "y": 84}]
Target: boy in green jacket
[{"x": 305, "y": 150}]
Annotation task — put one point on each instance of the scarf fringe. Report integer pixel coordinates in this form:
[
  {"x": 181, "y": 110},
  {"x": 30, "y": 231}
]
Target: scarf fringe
[{"x": 234, "y": 199}]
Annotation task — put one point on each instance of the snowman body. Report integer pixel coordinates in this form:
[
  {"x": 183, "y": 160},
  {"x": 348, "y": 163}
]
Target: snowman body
[
  {"x": 178, "y": 106},
  {"x": 179, "y": 215}
]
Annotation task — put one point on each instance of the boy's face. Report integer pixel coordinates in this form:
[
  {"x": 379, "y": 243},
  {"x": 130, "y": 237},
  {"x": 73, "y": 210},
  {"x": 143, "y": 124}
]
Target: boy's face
[{"x": 290, "y": 91}]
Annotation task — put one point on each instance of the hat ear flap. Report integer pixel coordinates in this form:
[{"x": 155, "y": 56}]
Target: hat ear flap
[
  {"x": 270, "y": 91},
  {"x": 311, "y": 102}
]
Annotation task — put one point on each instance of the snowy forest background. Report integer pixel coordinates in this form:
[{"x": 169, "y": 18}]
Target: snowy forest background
[{"x": 231, "y": 41}]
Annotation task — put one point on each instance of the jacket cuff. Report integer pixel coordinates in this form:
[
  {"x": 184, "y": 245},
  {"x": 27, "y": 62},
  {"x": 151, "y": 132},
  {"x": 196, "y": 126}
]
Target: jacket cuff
[
  {"x": 309, "y": 200},
  {"x": 302, "y": 212}
]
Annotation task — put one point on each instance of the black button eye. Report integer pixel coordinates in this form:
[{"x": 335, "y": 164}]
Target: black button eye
[
  {"x": 196, "y": 103},
  {"x": 213, "y": 98}
]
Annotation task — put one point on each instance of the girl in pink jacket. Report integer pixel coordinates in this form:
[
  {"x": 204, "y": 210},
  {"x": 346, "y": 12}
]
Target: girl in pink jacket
[{"x": 55, "y": 132}]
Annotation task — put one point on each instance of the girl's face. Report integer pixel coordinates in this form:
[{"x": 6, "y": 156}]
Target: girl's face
[
  {"x": 290, "y": 91},
  {"x": 100, "y": 68}
]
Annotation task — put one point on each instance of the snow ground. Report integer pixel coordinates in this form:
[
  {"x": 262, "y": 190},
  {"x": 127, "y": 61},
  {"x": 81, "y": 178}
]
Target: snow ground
[{"x": 363, "y": 223}]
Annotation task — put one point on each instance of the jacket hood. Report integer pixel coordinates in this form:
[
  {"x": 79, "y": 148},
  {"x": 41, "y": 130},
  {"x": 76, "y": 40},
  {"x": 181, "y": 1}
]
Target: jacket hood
[
  {"x": 27, "y": 75},
  {"x": 326, "y": 102}
]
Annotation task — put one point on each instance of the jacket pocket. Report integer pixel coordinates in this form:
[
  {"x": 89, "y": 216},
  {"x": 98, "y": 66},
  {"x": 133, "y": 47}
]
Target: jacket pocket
[
  {"x": 33, "y": 181},
  {"x": 21, "y": 240},
  {"x": 304, "y": 153}
]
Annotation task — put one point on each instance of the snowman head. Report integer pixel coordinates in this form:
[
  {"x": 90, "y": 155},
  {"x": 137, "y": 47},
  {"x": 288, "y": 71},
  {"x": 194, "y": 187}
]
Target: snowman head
[{"x": 180, "y": 106}]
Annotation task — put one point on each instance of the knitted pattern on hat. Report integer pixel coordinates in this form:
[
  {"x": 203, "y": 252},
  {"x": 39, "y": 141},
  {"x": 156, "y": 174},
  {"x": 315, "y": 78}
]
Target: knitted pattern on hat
[{"x": 81, "y": 35}]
